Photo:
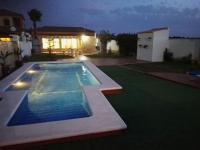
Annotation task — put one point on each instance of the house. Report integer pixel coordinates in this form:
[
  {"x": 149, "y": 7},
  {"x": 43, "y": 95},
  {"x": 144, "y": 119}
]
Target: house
[
  {"x": 11, "y": 19},
  {"x": 12, "y": 37},
  {"x": 76, "y": 40},
  {"x": 152, "y": 44}
]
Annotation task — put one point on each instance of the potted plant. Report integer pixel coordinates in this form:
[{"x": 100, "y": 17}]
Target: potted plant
[
  {"x": 4, "y": 66},
  {"x": 19, "y": 61}
]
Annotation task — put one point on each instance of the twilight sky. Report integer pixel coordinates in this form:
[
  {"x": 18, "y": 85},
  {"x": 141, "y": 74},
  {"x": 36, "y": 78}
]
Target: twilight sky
[{"x": 117, "y": 16}]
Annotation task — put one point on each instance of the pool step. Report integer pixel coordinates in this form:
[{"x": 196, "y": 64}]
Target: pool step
[{"x": 54, "y": 113}]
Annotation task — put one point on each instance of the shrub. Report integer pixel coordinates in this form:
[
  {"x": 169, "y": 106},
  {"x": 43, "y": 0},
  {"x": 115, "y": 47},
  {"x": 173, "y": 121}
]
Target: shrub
[
  {"x": 127, "y": 44},
  {"x": 187, "y": 59},
  {"x": 168, "y": 56}
]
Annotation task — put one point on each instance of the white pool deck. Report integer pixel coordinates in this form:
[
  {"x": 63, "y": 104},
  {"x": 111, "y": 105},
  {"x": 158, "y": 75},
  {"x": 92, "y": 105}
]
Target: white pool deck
[{"x": 104, "y": 118}]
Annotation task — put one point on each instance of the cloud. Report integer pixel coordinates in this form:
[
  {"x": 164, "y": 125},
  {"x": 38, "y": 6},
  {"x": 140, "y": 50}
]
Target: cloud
[{"x": 93, "y": 11}]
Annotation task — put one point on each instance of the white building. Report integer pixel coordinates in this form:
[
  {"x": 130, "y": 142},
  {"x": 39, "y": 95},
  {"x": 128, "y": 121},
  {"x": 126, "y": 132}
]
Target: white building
[
  {"x": 181, "y": 47},
  {"x": 112, "y": 46},
  {"x": 152, "y": 44}
]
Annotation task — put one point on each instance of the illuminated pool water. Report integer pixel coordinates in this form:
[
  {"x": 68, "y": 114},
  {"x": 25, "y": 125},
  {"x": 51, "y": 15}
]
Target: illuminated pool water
[{"x": 54, "y": 93}]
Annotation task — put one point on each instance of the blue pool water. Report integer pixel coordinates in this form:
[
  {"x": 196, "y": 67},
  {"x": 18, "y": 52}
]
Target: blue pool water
[{"x": 54, "y": 93}]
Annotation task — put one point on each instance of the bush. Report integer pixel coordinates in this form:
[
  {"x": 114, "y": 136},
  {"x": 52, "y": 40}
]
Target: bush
[
  {"x": 168, "y": 56},
  {"x": 187, "y": 59},
  {"x": 127, "y": 44}
]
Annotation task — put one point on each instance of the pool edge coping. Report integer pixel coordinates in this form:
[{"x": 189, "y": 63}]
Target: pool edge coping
[{"x": 105, "y": 86}]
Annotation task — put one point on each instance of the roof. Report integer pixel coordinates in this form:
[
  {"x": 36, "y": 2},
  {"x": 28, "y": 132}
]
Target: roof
[
  {"x": 6, "y": 12},
  {"x": 154, "y": 30},
  {"x": 64, "y": 30}
]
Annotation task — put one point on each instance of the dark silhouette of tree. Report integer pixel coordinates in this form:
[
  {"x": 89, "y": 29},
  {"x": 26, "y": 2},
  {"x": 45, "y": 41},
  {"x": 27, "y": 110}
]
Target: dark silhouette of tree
[
  {"x": 35, "y": 16},
  {"x": 3, "y": 56},
  {"x": 127, "y": 44},
  {"x": 104, "y": 37}
]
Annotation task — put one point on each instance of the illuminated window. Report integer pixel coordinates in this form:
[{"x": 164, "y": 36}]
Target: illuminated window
[
  {"x": 69, "y": 43},
  {"x": 74, "y": 43},
  {"x": 84, "y": 38},
  {"x": 52, "y": 43},
  {"x": 45, "y": 43},
  {"x": 56, "y": 43},
  {"x": 65, "y": 43},
  {"x": 5, "y": 39}
]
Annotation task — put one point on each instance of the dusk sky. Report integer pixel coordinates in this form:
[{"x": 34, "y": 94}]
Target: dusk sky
[{"x": 117, "y": 16}]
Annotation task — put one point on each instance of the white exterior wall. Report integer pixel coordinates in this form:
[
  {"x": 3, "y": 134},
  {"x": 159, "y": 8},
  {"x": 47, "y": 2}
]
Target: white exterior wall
[
  {"x": 184, "y": 47},
  {"x": 160, "y": 43},
  {"x": 26, "y": 48},
  {"x": 145, "y": 53},
  {"x": 113, "y": 46}
]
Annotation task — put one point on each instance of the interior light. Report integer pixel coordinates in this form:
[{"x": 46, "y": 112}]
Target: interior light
[
  {"x": 5, "y": 39},
  {"x": 84, "y": 38},
  {"x": 82, "y": 57}
]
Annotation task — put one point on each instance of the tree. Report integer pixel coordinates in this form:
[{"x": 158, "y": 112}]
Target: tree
[
  {"x": 18, "y": 54},
  {"x": 127, "y": 44},
  {"x": 3, "y": 56},
  {"x": 35, "y": 16},
  {"x": 104, "y": 37}
]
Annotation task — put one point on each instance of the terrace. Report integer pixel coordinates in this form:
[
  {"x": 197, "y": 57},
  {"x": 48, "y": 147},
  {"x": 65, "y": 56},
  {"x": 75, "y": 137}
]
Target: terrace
[{"x": 162, "y": 117}]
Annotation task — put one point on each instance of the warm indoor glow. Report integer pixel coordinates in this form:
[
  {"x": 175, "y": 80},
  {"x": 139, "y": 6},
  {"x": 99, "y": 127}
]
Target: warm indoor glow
[
  {"x": 82, "y": 57},
  {"x": 5, "y": 39},
  {"x": 74, "y": 43},
  {"x": 84, "y": 38},
  {"x": 53, "y": 43},
  {"x": 45, "y": 43},
  {"x": 56, "y": 43}
]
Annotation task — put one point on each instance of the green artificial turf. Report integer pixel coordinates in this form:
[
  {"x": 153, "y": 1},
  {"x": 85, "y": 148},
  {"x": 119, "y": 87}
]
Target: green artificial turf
[{"x": 159, "y": 115}]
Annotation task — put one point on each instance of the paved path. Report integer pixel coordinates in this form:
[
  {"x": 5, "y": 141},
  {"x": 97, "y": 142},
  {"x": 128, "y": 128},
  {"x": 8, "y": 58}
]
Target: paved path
[
  {"x": 111, "y": 61},
  {"x": 179, "y": 78},
  {"x": 174, "y": 77}
]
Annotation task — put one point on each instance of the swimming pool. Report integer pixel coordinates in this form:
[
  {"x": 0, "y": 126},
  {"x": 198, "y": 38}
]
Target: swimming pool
[
  {"x": 42, "y": 90},
  {"x": 54, "y": 93}
]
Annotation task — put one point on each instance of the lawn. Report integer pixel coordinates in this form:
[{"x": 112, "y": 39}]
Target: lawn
[{"x": 159, "y": 115}]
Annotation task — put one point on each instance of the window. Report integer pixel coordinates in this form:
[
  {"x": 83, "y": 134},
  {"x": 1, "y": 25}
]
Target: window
[
  {"x": 16, "y": 22},
  {"x": 69, "y": 43},
  {"x": 149, "y": 38},
  {"x": 50, "y": 43},
  {"x": 6, "y": 22},
  {"x": 74, "y": 43},
  {"x": 45, "y": 43},
  {"x": 140, "y": 45},
  {"x": 145, "y": 46},
  {"x": 56, "y": 43}
]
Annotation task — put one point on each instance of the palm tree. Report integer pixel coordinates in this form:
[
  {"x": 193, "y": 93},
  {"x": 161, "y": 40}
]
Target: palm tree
[{"x": 35, "y": 15}]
